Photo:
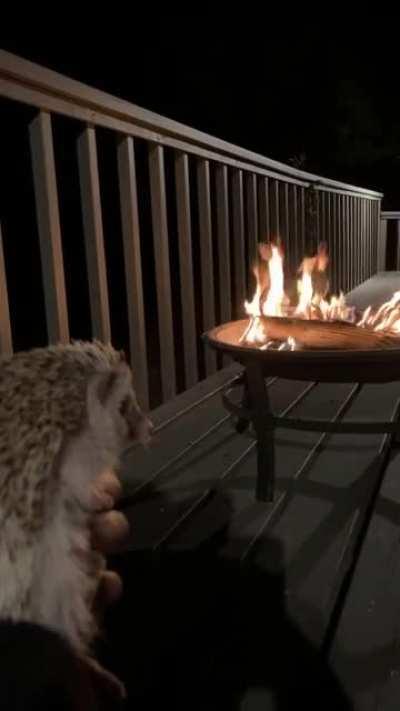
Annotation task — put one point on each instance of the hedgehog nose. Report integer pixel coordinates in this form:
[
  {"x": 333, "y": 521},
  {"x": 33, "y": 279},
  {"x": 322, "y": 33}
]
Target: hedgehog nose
[
  {"x": 143, "y": 430},
  {"x": 148, "y": 428}
]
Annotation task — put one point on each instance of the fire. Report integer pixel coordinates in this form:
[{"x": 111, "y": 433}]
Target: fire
[{"x": 311, "y": 301}]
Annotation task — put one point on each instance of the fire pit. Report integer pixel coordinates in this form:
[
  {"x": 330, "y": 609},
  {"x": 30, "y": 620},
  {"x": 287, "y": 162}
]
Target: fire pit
[{"x": 317, "y": 339}]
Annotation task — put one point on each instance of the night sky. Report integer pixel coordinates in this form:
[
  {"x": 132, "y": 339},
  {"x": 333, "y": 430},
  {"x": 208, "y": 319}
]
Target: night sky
[{"x": 320, "y": 93}]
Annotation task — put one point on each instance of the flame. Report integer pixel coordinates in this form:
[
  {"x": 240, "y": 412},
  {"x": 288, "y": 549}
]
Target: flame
[
  {"x": 312, "y": 302},
  {"x": 273, "y": 305}
]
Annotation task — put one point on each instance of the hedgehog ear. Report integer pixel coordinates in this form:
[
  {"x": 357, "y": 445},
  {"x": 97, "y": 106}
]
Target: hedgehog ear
[
  {"x": 108, "y": 390},
  {"x": 119, "y": 387}
]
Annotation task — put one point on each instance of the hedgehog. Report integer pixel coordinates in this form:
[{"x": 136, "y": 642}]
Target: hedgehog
[{"x": 67, "y": 412}]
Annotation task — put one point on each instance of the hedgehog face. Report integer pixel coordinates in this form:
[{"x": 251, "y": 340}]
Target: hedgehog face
[{"x": 113, "y": 410}]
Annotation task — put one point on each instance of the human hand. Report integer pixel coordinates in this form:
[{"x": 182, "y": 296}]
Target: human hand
[{"x": 108, "y": 529}]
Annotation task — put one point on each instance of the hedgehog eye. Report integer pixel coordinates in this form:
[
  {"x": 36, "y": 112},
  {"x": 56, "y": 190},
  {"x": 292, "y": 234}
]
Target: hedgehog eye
[{"x": 124, "y": 407}]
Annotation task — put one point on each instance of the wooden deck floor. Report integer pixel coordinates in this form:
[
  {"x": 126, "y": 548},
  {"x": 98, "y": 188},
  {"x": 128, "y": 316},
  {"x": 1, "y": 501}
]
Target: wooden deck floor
[{"x": 235, "y": 604}]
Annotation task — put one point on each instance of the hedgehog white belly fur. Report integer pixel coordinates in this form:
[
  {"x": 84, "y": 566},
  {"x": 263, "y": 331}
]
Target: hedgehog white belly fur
[{"x": 66, "y": 415}]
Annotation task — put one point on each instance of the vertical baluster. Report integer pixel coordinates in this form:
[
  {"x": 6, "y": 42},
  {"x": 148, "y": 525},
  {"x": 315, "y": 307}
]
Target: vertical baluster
[
  {"x": 133, "y": 266},
  {"x": 328, "y": 231},
  {"x": 356, "y": 244},
  {"x": 285, "y": 227},
  {"x": 294, "y": 227},
  {"x": 45, "y": 184},
  {"x": 186, "y": 268},
  {"x": 6, "y": 347},
  {"x": 333, "y": 250},
  {"x": 371, "y": 218},
  {"x": 302, "y": 241},
  {"x": 397, "y": 231},
  {"x": 348, "y": 245},
  {"x": 263, "y": 202},
  {"x": 206, "y": 256},
  {"x": 163, "y": 277},
  {"x": 365, "y": 238},
  {"x": 318, "y": 218},
  {"x": 366, "y": 241},
  {"x": 362, "y": 238},
  {"x": 224, "y": 257},
  {"x": 352, "y": 249},
  {"x": 376, "y": 233},
  {"x": 369, "y": 235},
  {"x": 275, "y": 209},
  {"x": 357, "y": 239},
  {"x": 252, "y": 216},
  {"x": 382, "y": 246},
  {"x": 93, "y": 230},
  {"x": 238, "y": 239},
  {"x": 342, "y": 252},
  {"x": 323, "y": 218}
]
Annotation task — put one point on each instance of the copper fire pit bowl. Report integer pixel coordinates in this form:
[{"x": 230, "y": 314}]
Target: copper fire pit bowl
[{"x": 335, "y": 366}]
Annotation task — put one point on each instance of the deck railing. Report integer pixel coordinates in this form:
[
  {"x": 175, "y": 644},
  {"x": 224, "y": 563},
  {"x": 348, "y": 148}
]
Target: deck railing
[{"x": 197, "y": 204}]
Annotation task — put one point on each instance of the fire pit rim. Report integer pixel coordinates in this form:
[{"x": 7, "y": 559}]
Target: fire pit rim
[
  {"x": 329, "y": 366},
  {"x": 304, "y": 354}
]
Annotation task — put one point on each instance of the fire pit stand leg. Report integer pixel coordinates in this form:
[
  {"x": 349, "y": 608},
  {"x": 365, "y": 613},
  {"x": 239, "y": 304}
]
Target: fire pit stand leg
[
  {"x": 395, "y": 441},
  {"x": 243, "y": 423},
  {"x": 260, "y": 410}
]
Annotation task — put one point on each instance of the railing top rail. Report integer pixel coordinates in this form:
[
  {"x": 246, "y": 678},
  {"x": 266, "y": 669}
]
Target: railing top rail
[
  {"x": 32, "y": 76},
  {"x": 390, "y": 215}
]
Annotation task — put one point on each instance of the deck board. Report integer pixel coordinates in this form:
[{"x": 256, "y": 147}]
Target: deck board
[
  {"x": 292, "y": 448},
  {"x": 375, "y": 290},
  {"x": 365, "y": 647},
  {"x": 178, "y": 424},
  {"x": 199, "y": 467},
  {"x": 319, "y": 526}
]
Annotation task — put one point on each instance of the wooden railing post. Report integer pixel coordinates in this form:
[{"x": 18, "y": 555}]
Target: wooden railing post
[{"x": 382, "y": 245}]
